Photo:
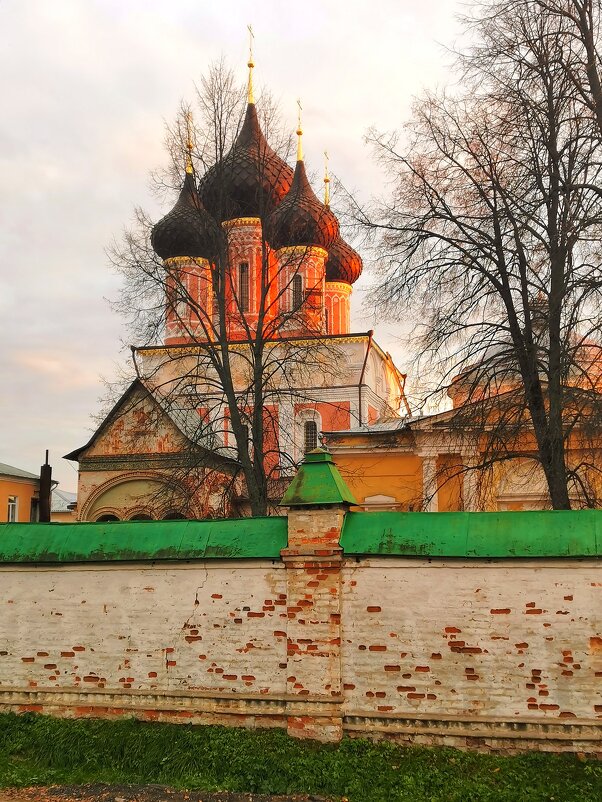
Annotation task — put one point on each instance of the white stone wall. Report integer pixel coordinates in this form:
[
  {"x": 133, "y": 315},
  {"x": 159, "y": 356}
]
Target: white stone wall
[
  {"x": 500, "y": 654},
  {"x": 202, "y": 627},
  {"x": 509, "y": 638}
]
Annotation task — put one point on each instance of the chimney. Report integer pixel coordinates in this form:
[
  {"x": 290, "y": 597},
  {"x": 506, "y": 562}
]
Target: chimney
[{"x": 45, "y": 491}]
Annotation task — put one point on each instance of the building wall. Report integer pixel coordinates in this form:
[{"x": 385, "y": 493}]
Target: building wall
[
  {"x": 24, "y": 490},
  {"x": 124, "y": 628},
  {"x": 505, "y": 639},
  {"x": 485, "y": 652}
]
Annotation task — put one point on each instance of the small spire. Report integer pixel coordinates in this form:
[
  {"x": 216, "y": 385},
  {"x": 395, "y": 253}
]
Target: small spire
[
  {"x": 250, "y": 65},
  {"x": 299, "y": 133},
  {"x": 326, "y": 180},
  {"x": 189, "y": 142}
]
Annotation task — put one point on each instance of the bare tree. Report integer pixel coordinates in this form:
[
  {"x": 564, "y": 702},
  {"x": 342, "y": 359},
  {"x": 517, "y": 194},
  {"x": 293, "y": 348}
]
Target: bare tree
[
  {"x": 492, "y": 233},
  {"x": 229, "y": 356}
]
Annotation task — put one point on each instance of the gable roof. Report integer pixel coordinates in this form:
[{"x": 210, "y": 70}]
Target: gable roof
[
  {"x": 186, "y": 422},
  {"x": 10, "y": 470}
]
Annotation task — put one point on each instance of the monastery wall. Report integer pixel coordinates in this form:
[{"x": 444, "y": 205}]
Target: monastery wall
[{"x": 283, "y": 622}]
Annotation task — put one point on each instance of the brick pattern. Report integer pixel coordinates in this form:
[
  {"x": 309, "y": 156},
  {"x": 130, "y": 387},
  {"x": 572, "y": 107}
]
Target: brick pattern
[
  {"x": 502, "y": 639},
  {"x": 480, "y": 654},
  {"x": 198, "y": 628}
]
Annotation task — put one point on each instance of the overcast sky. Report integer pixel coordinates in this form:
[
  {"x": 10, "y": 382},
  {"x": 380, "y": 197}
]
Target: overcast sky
[{"x": 86, "y": 87}]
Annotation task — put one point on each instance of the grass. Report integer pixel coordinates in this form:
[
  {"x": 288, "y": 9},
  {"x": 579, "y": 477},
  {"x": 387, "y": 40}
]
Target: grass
[{"x": 39, "y": 750}]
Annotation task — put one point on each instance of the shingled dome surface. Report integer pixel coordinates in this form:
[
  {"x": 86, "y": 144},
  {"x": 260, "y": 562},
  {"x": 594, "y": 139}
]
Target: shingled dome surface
[
  {"x": 343, "y": 263},
  {"x": 301, "y": 219},
  {"x": 251, "y": 180},
  {"x": 187, "y": 230}
]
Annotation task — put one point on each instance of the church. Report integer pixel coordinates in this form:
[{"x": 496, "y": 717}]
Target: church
[{"x": 255, "y": 355}]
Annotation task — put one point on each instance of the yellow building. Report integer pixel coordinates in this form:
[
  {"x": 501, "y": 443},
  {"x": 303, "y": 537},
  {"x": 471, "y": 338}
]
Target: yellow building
[
  {"x": 19, "y": 494},
  {"x": 428, "y": 463}
]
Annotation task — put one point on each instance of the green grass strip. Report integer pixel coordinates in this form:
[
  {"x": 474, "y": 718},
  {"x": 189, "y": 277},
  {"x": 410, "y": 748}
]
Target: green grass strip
[{"x": 39, "y": 750}]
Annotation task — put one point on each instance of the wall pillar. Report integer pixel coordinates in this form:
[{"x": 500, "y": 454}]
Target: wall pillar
[
  {"x": 429, "y": 484},
  {"x": 318, "y": 500}
]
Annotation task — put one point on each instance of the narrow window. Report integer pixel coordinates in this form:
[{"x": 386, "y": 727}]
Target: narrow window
[
  {"x": 327, "y": 320},
  {"x": 243, "y": 286},
  {"x": 297, "y": 292},
  {"x": 311, "y": 435},
  {"x": 13, "y": 508}
]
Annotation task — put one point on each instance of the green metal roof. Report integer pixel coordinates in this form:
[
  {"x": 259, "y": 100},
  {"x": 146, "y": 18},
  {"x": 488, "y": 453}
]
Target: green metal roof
[
  {"x": 553, "y": 533},
  {"x": 403, "y": 534},
  {"x": 143, "y": 540},
  {"x": 317, "y": 483}
]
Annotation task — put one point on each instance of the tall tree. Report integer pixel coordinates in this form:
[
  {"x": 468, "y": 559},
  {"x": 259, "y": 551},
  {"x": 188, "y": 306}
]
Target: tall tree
[{"x": 492, "y": 233}]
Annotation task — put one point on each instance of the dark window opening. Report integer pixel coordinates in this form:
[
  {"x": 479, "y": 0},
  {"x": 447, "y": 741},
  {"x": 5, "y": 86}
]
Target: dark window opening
[
  {"x": 243, "y": 286},
  {"x": 297, "y": 292},
  {"x": 310, "y": 435},
  {"x": 106, "y": 518}
]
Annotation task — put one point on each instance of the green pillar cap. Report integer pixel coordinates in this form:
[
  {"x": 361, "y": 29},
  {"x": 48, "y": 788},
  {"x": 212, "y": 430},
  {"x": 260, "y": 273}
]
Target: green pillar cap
[{"x": 317, "y": 483}]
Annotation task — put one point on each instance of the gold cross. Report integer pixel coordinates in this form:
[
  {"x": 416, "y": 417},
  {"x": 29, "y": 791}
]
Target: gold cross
[{"x": 251, "y": 37}]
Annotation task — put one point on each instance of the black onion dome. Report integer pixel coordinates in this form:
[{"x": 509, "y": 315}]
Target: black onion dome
[
  {"x": 343, "y": 263},
  {"x": 187, "y": 230},
  {"x": 251, "y": 180},
  {"x": 301, "y": 219}
]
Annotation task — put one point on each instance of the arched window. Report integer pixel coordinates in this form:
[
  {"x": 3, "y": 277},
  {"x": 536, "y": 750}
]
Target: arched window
[
  {"x": 327, "y": 321},
  {"x": 297, "y": 292},
  {"x": 243, "y": 286},
  {"x": 174, "y": 515},
  {"x": 141, "y": 516},
  {"x": 106, "y": 518},
  {"x": 310, "y": 435}
]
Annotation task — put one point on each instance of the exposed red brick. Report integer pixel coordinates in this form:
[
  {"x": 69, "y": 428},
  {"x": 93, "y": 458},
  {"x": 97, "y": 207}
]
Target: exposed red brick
[
  {"x": 374, "y": 609},
  {"x": 453, "y": 630},
  {"x": 405, "y": 688},
  {"x": 392, "y": 668},
  {"x": 67, "y": 654},
  {"x": 28, "y": 659},
  {"x": 423, "y": 668},
  {"x": 500, "y": 611},
  {"x": 39, "y": 654},
  {"x": 534, "y": 611},
  {"x": 377, "y": 647},
  {"x": 251, "y": 614},
  {"x": 436, "y": 656},
  {"x": 416, "y": 695},
  {"x": 549, "y": 707}
]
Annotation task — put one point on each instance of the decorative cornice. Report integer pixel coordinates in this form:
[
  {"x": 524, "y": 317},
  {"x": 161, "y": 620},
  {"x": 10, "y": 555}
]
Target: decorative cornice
[
  {"x": 303, "y": 250},
  {"x": 241, "y": 222},
  {"x": 125, "y": 462},
  {"x": 339, "y": 286},
  {"x": 185, "y": 260}
]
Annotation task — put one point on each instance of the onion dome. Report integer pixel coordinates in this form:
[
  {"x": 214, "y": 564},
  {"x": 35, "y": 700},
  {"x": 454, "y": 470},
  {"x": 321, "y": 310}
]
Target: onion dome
[
  {"x": 251, "y": 180},
  {"x": 301, "y": 219},
  {"x": 343, "y": 263},
  {"x": 188, "y": 229}
]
